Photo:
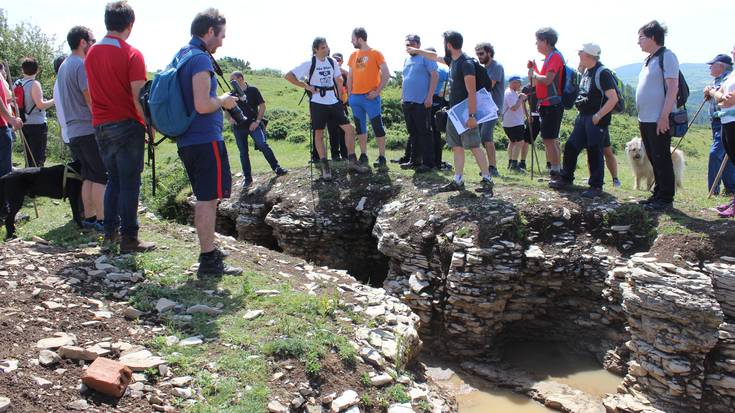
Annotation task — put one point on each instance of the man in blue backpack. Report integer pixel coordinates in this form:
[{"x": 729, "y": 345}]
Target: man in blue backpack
[
  {"x": 201, "y": 147},
  {"x": 597, "y": 98}
]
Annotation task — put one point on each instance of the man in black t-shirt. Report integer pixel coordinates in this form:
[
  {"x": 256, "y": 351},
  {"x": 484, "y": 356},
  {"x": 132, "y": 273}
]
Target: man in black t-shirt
[
  {"x": 597, "y": 98},
  {"x": 253, "y": 107}
]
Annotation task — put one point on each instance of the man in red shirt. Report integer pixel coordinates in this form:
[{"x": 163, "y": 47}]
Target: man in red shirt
[
  {"x": 8, "y": 122},
  {"x": 548, "y": 90},
  {"x": 116, "y": 73}
]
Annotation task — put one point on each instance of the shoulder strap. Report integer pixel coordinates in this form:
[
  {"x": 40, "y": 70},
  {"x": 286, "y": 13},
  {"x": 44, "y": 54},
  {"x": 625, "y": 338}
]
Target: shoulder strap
[
  {"x": 181, "y": 60},
  {"x": 662, "y": 51},
  {"x": 311, "y": 69},
  {"x": 25, "y": 104},
  {"x": 334, "y": 84},
  {"x": 597, "y": 78}
]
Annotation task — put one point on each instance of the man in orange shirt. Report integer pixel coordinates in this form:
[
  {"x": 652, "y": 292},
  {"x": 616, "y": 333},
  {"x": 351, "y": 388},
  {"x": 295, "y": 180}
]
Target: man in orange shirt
[{"x": 367, "y": 77}]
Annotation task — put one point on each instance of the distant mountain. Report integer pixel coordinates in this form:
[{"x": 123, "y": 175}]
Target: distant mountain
[{"x": 696, "y": 74}]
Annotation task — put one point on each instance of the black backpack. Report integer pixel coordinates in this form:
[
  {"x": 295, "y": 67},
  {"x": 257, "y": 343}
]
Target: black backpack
[
  {"x": 683, "y": 93},
  {"x": 482, "y": 79},
  {"x": 311, "y": 72}
]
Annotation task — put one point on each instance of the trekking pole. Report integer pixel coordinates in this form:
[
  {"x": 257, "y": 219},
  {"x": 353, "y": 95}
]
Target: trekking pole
[
  {"x": 26, "y": 147},
  {"x": 690, "y": 125},
  {"x": 718, "y": 177},
  {"x": 530, "y": 132}
]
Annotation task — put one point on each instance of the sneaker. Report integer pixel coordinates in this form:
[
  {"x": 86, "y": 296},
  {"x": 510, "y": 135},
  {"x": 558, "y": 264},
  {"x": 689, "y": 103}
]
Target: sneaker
[
  {"x": 658, "y": 205},
  {"x": 357, "y": 167},
  {"x": 408, "y": 165},
  {"x": 592, "y": 193},
  {"x": 86, "y": 224},
  {"x": 446, "y": 166},
  {"x": 247, "y": 183},
  {"x": 494, "y": 171},
  {"x": 133, "y": 244},
  {"x": 723, "y": 207},
  {"x": 364, "y": 159},
  {"x": 337, "y": 158},
  {"x": 559, "y": 183},
  {"x": 381, "y": 163},
  {"x": 728, "y": 213},
  {"x": 616, "y": 183},
  {"x": 452, "y": 186},
  {"x": 522, "y": 166},
  {"x": 281, "y": 171},
  {"x": 486, "y": 186},
  {"x": 402, "y": 159},
  {"x": 422, "y": 169}
]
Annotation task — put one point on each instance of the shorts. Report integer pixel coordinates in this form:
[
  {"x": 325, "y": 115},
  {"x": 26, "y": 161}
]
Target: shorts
[
  {"x": 536, "y": 126},
  {"x": 322, "y": 114},
  {"x": 363, "y": 110},
  {"x": 469, "y": 139},
  {"x": 551, "y": 121},
  {"x": 487, "y": 130},
  {"x": 515, "y": 133},
  {"x": 606, "y": 138},
  {"x": 208, "y": 169},
  {"x": 85, "y": 150}
]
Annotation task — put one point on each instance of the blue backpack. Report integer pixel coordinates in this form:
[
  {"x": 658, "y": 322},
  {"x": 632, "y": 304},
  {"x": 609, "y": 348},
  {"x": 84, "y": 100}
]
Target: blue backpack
[
  {"x": 166, "y": 100},
  {"x": 570, "y": 78}
]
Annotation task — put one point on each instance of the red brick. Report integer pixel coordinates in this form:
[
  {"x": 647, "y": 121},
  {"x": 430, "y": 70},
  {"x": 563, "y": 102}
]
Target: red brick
[{"x": 108, "y": 377}]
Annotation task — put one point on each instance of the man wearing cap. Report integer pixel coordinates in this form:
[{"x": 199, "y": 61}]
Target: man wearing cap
[
  {"x": 720, "y": 67},
  {"x": 419, "y": 81},
  {"x": 597, "y": 98}
]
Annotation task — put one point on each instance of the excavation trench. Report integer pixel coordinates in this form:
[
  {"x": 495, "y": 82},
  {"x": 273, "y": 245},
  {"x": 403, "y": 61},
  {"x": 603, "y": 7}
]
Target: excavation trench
[{"x": 526, "y": 292}]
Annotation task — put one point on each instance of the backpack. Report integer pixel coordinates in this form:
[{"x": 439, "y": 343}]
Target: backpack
[
  {"x": 311, "y": 72},
  {"x": 482, "y": 79},
  {"x": 620, "y": 106},
  {"x": 683, "y": 93},
  {"x": 570, "y": 78},
  {"x": 165, "y": 99},
  {"x": 20, "y": 98}
]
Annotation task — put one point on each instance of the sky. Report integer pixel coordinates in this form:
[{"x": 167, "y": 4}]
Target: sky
[{"x": 278, "y": 34}]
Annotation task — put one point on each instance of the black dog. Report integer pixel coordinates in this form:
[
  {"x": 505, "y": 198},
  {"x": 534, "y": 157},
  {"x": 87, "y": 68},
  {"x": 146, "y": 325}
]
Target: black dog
[{"x": 56, "y": 182}]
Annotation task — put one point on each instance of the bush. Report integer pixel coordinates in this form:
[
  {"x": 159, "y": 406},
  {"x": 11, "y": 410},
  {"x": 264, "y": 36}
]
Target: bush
[
  {"x": 297, "y": 138},
  {"x": 278, "y": 130}
]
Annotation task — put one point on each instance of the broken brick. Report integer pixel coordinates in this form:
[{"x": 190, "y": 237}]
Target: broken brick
[{"x": 108, "y": 377}]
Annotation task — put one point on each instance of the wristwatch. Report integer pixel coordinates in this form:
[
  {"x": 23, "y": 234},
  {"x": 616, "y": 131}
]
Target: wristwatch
[{"x": 472, "y": 115}]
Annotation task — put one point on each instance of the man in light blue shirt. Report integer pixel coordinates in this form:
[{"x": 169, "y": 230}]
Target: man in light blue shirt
[{"x": 419, "y": 82}]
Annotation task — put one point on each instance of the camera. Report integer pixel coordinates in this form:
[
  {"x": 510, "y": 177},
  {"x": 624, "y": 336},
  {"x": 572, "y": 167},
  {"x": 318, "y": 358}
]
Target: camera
[{"x": 236, "y": 112}]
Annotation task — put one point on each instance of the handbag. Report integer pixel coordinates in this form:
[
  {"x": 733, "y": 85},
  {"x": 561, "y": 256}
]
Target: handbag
[{"x": 678, "y": 123}]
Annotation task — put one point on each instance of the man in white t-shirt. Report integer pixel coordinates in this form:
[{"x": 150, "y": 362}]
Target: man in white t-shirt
[
  {"x": 322, "y": 79},
  {"x": 513, "y": 121}
]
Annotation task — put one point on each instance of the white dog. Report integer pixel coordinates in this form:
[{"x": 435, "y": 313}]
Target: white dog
[{"x": 642, "y": 168}]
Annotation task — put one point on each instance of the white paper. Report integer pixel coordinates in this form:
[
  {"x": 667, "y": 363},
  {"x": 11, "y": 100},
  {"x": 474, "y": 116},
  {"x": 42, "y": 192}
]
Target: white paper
[{"x": 486, "y": 111}]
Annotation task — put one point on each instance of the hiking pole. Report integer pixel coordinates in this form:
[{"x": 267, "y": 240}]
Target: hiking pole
[
  {"x": 530, "y": 132},
  {"x": 690, "y": 125},
  {"x": 718, "y": 177}
]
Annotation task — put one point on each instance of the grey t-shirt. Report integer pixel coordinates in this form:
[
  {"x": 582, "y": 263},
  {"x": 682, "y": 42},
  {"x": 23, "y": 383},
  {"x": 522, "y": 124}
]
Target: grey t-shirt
[
  {"x": 72, "y": 82},
  {"x": 649, "y": 95},
  {"x": 497, "y": 73}
]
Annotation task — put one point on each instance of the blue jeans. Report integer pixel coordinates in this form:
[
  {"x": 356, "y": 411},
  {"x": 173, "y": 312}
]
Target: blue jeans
[
  {"x": 6, "y": 150},
  {"x": 258, "y": 135},
  {"x": 121, "y": 147},
  {"x": 716, "y": 154},
  {"x": 590, "y": 136}
]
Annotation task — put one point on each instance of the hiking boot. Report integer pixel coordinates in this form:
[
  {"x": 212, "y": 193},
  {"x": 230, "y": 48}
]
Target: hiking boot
[
  {"x": 110, "y": 241},
  {"x": 409, "y": 165},
  {"x": 649, "y": 200},
  {"x": 445, "y": 166},
  {"x": 522, "y": 166},
  {"x": 592, "y": 193},
  {"x": 213, "y": 265},
  {"x": 354, "y": 166},
  {"x": 728, "y": 213},
  {"x": 326, "y": 170},
  {"x": 493, "y": 171},
  {"x": 402, "y": 159},
  {"x": 422, "y": 169},
  {"x": 133, "y": 244},
  {"x": 364, "y": 159},
  {"x": 281, "y": 171},
  {"x": 659, "y": 205},
  {"x": 559, "y": 183},
  {"x": 381, "y": 163},
  {"x": 617, "y": 183},
  {"x": 452, "y": 186},
  {"x": 486, "y": 186},
  {"x": 247, "y": 183}
]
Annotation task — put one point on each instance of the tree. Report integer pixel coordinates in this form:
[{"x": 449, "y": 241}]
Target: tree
[
  {"x": 231, "y": 64},
  {"x": 25, "y": 39}
]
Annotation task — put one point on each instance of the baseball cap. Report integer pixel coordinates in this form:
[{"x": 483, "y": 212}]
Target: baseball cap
[
  {"x": 722, "y": 58},
  {"x": 514, "y": 77},
  {"x": 592, "y": 49}
]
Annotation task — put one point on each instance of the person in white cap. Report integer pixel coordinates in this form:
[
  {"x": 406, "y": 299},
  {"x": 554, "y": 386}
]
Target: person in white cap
[{"x": 597, "y": 98}]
